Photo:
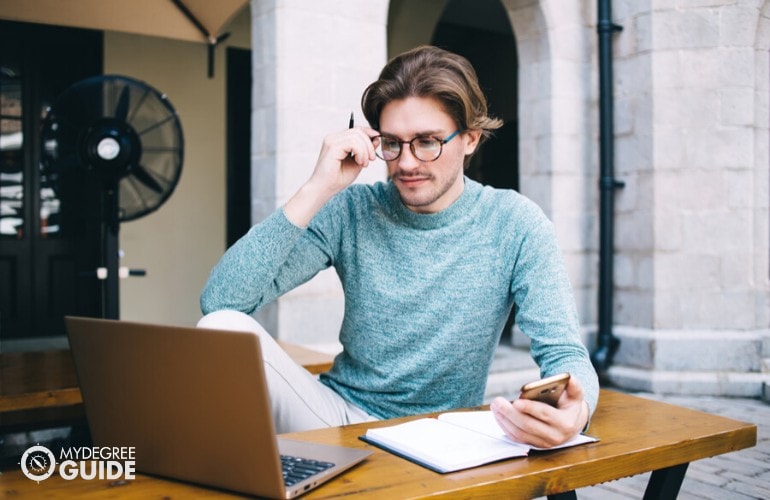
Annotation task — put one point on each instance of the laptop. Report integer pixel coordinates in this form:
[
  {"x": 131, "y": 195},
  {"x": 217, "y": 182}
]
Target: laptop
[{"x": 193, "y": 403}]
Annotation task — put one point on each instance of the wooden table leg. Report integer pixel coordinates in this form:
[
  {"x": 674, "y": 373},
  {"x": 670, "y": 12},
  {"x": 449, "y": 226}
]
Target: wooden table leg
[
  {"x": 665, "y": 483},
  {"x": 567, "y": 495}
]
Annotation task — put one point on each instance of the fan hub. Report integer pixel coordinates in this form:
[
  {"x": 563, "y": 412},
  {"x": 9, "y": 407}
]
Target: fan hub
[
  {"x": 122, "y": 132},
  {"x": 110, "y": 148}
]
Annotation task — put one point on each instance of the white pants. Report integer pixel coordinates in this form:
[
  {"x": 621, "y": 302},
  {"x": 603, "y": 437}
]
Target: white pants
[{"x": 299, "y": 401}]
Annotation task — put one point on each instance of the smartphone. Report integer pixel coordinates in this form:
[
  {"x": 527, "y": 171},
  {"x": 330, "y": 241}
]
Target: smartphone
[{"x": 547, "y": 390}]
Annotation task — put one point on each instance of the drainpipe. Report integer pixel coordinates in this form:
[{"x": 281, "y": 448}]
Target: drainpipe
[{"x": 607, "y": 344}]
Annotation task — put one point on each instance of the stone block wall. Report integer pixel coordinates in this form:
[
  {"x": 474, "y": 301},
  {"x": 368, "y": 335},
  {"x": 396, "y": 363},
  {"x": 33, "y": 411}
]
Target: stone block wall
[
  {"x": 692, "y": 102},
  {"x": 692, "y": 276},
  {"x": 311, "y": 64}
]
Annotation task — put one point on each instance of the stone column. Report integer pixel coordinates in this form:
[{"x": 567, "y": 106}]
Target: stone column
[
  {"x": 311, "y": 62},
  {"x": 693, "y": 296}
]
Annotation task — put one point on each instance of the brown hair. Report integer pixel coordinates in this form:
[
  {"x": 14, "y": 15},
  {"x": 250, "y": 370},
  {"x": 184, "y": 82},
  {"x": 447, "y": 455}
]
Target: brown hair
[{"x": 429, "y": 71}]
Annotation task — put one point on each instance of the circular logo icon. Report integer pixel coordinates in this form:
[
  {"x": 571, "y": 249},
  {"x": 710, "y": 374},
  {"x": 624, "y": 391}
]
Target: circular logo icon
[{"x": 38, "y": 463}]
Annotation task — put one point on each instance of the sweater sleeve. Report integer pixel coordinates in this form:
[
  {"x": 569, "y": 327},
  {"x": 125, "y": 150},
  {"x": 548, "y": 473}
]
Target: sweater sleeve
[
  {"x": 546, "y": 310},
  {"x": 274, "y": 257}
]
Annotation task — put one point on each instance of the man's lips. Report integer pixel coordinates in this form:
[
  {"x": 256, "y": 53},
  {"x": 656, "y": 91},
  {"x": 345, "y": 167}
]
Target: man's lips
[{"x": 411, "y": 180}]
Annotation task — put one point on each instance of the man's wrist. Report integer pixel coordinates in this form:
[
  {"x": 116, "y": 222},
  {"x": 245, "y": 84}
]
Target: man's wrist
[
  {"x": 587, "y": 419},
  {"x": 305, "y": 204}
]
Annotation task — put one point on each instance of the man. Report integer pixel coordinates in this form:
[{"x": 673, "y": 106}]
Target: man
[{"x": 430, "y": 263}]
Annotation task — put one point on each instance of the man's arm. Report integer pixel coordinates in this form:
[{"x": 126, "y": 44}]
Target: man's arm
[
  {"x": 546, "y": 312},
  {"x": 257, "y": 269},
  {"x": 343, "y": 155}
]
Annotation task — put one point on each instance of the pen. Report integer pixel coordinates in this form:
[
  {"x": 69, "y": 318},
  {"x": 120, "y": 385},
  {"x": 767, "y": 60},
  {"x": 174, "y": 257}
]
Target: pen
[{"x": 350, "y": 125}]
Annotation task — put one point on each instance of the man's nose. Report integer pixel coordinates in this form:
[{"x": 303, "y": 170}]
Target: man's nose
[{"x": 407, "y": 160}]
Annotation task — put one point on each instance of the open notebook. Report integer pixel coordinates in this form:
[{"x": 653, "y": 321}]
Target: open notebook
[{"x": 454, "y": 441}]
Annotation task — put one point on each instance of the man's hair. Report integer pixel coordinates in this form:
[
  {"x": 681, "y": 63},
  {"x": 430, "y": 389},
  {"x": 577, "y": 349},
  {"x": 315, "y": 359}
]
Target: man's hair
[{"x": 429, "y": 71}]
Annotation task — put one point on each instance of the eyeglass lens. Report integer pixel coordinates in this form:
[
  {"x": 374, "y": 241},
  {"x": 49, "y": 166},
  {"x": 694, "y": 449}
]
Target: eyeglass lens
[{"x": 423, "y": 148}]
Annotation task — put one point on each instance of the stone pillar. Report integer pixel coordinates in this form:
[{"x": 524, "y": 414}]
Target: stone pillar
[
  {"x": 692, "y": 287},
  {"x": 310, "y": 65},
  {"x": 557, "y": 131}
]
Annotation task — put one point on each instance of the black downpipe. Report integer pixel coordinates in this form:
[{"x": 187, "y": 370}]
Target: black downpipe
[{"x": 607, "y": 343}]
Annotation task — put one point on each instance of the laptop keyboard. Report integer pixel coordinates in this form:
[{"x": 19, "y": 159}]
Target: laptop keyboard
[{"x": 296, "y": 469}]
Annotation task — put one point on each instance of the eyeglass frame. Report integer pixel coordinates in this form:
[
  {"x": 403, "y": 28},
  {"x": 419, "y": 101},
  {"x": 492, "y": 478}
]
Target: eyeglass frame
[{"x": 411, "y": 145}]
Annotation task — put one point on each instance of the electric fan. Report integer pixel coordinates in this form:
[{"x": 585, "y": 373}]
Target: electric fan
[{"x": 128, "y": 136}]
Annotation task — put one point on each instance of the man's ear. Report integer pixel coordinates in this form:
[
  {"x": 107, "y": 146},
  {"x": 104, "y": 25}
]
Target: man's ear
[{"x": 471, "y": 138}]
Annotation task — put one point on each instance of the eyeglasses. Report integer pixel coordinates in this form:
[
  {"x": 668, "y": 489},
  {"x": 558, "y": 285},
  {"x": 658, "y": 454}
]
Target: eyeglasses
[{"x": 423, "y": 148}]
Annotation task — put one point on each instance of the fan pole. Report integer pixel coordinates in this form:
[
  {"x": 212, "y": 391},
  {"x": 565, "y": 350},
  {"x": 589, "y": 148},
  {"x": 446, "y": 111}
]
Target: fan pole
[{"x": 111, "y": 224}]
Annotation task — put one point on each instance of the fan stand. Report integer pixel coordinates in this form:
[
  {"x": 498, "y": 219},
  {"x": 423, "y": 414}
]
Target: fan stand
[
  {"x": 102, "y": 124},
  {"x": 111, "y": 252},
  {"x": 111, "y": 148}
]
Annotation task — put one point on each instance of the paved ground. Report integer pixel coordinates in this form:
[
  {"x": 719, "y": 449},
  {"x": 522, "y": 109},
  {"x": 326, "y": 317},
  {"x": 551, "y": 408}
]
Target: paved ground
[{"x": 740, "y": 475}]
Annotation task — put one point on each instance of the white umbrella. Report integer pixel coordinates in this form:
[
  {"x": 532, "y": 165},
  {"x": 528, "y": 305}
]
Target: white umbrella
[{"x": 191, "y": 20}]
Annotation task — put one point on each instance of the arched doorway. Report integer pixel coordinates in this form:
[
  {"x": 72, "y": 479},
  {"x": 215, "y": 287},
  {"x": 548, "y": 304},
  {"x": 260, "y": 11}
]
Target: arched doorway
[{"x": 480, "y": 31}]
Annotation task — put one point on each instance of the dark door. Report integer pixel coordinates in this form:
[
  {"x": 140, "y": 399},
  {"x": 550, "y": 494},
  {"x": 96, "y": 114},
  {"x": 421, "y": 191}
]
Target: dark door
[
  {"x": 480, "y": 31},
  {"x": 49, "y": 221},
  {"x": 238, "y": 143}
]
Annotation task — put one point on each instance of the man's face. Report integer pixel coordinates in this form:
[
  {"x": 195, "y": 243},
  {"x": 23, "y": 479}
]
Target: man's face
[{"x": 426, "y": 187}]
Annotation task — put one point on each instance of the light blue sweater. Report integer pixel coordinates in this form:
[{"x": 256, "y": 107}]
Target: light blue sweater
[{"x": 426, "y": 295}]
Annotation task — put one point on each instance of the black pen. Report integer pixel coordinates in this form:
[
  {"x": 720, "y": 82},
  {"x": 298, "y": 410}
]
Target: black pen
[{"x": 350, "y": 125}]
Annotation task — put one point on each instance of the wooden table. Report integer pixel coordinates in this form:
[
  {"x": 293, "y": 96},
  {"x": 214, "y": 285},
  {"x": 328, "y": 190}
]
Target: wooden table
[
  {"x": 637, "y": 435},
  {"x": 30, "y": 380},
  {"x": 313, "y": 361},
  {"x": 40, "y": 389}
]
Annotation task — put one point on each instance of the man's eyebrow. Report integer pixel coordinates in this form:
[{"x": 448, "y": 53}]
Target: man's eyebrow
[{"x": 423, "y": 133}]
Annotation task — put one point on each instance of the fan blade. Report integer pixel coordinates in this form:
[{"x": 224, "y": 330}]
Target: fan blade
[
  {"x": 121, "y": 110},
  {"x": 145, "y": 178}
]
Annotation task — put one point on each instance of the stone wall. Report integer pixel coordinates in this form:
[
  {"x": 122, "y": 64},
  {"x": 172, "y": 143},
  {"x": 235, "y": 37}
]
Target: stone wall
[
  {"x": 692, "y": 263},
  {"x": 310, "y": 66},
  {"x": 692, "y": 295}
]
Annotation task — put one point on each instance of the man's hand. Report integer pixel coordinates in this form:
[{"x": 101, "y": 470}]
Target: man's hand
[
  {"x": 343, "y": 155},
  {"x": 540, "y": 424}
]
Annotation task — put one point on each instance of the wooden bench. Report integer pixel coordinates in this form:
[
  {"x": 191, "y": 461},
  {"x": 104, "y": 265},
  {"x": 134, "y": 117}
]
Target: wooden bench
[
  {"x": 40, "y": 389},
  {"x": 313, "y": 361}
]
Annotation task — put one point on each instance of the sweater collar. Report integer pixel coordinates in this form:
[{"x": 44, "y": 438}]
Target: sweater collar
[{"x": 457, "y": 210}]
